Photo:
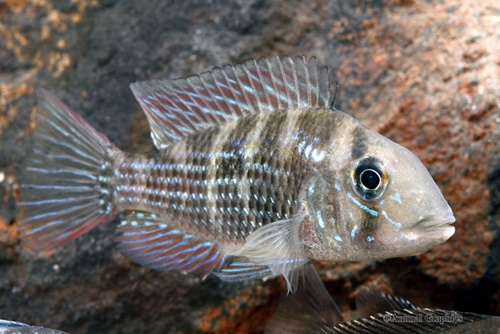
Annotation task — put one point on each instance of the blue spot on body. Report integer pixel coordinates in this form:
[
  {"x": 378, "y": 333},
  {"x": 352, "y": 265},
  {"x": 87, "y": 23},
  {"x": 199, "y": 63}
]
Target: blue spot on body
[
  {"x": 353, "y": 232},
  {"x": 337, "y": 186},
  {"x": 364, "y": 207},
  {"x": 381, "y": 202},
  {"x": 369, "y": 239},
  {"x": 398, "y": 225},
  {"x": 420, "y": 218},
  {"x": 320, "y": 219},
  {"x": 396, "y": 197},
  {"x": 338, "y": 238}
]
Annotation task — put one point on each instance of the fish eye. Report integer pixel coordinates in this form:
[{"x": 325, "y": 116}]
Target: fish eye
[{"x": 370, "y": 180}]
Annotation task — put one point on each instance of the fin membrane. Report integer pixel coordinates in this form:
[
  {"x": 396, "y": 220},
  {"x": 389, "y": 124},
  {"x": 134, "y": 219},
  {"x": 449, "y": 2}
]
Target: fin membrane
[
  {"x": 418, "y": 321},
  {"x": 146, "y": 239},
  {"x": 307, "y": 310},
  {"x": 278, "y": 246},
  {"x": 241, "y": 270},
  {"x": 177, "y": 108},
  {"x": 371, "y": 301},
  {"x": 65, "y": 188}
]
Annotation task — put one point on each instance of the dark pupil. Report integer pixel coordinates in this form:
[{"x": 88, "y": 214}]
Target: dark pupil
[{"x": 370, "y": 179}]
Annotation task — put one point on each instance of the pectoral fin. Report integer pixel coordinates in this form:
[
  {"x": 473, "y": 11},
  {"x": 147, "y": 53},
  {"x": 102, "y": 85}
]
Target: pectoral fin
[{"x": 279, "y": 247}]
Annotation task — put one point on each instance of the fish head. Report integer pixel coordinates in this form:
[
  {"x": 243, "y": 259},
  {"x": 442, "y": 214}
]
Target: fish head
[{"x": 378, "y": 202}]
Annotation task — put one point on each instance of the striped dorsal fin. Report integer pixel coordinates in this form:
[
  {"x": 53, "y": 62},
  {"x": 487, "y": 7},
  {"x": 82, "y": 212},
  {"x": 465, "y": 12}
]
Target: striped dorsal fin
[{"x": 177, "y": 108}]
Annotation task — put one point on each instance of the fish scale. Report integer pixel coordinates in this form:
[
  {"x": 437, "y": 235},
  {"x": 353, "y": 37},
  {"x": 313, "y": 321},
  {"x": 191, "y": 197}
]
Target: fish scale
[{"x": 249, "y": 192}]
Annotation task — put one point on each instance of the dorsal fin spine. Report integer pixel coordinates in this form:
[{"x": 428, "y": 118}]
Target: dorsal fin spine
[
  {"x": 209, "y": 91},
  {"x": 300, "y": 81},
  {"x": 178, "y": 102},
  {"x": 230, "y": 71},
  {"x": 275, "y": 85},
  {"x": 263, "y": 83},
  {"x": 241, "y": 69},
  {"x": 289, "y": 76},
  {"x": 297, "y": 83},
  {"x": 326, "y": 73},
  {"x": 196, "y": 83},
  {"x": 179, "y": 90},
  {"x": 169, "y": 120},
  {"x": 253, "y": 81},
  {"x": 261, "y": 90},
  {"x": 283, "y": 82},
  {"x": 312, "y": 74},
  {"x": 218, "y": 77}
]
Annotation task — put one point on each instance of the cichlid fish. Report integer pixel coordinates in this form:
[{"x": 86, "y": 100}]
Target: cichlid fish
[
  {"x": 255, "y": 176},
  {"x": 11, "y": 327},
  {"x": 312, "y": 311}
]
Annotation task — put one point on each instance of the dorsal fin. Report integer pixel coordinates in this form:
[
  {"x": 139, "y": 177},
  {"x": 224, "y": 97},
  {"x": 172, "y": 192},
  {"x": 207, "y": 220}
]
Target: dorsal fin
[
  {"x": 418, "y": 321},
  {"x": 177, "y": 108},
  {"x": 370, "y": 301}
]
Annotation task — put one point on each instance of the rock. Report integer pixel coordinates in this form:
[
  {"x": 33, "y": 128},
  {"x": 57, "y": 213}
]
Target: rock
[{"x": 425, "y": 74}]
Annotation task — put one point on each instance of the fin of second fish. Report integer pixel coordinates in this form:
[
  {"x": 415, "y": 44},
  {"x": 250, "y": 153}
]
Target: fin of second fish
[
  {"x": 370, "y": 301},
  {"x": 307, "y": 310},
  {"x": 418, "y": 321},
  {"x": 12, "y": 327},
  {"x": 177, "y": 108},
  {"x": 278, "y": 246},
  {"x": 65, "y": 185},
  {"x": 146, "y": 239}
]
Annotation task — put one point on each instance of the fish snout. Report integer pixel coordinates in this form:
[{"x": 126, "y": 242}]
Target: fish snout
[{"x": 437, "y": 228}]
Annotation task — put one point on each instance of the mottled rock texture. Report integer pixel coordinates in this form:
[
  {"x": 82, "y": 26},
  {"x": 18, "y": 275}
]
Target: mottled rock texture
[{"x": 424, "y": 73}]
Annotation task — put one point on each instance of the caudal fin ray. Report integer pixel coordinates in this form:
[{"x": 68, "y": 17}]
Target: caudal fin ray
[{"x": 65, "y": 185}]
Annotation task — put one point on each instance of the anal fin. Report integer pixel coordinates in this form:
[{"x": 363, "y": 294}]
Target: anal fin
[{"x": 146, "y": 239}]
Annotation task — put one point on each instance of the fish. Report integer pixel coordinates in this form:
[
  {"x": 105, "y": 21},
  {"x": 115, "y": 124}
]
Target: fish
[
  {"x": 313, "y": 311},
  {"x": 12, "y": 327},
  {"x": 256, "y": 174}
]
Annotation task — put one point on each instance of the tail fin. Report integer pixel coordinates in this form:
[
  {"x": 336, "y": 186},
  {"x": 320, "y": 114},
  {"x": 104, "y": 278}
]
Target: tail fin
[{"x": 65, "y": 185}]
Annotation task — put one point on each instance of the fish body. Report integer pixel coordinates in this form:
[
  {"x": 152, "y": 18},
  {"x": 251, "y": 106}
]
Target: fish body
[
  {"x": 395, "y": 315},
  {"x": 255, "y": 176},
  {"x": 12, "y": 327},
  {"x": 311, "y": 310}
]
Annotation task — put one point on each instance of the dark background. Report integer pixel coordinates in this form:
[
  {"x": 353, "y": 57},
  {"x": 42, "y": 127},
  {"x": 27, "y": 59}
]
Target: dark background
[{"x": 424, "y": 73}]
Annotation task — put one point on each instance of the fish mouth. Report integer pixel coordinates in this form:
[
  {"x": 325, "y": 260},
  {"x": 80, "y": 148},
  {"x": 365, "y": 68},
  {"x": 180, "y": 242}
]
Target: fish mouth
[
  {"x": 439, "y": 227},
  {"x": 433, "y": 223}
]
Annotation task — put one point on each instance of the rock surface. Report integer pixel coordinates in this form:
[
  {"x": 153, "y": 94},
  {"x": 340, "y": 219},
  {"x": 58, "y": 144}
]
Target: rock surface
[{"x": 424, "y": 73}]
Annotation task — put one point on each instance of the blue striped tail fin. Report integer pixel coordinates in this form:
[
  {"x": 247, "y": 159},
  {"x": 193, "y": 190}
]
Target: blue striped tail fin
[{"x": 65, "y": 183}]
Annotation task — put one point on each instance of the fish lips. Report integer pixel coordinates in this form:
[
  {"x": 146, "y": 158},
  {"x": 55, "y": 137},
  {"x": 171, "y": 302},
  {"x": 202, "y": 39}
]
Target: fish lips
[{"x": 439, "y": 229}]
